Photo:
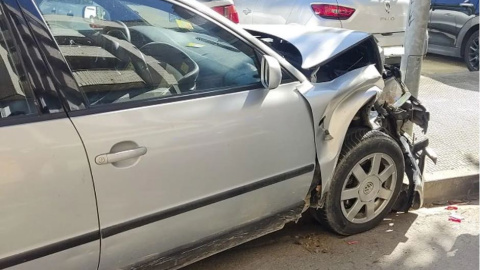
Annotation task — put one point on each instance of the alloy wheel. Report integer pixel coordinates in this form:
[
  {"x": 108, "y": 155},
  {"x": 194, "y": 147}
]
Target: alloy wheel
[
  {"x": 368, "y": 188},
  {"x": 473, "y": 54}
]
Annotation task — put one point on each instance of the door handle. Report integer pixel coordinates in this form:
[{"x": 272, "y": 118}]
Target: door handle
[
  {"x": 467, "y": 5},
  {"x": 119, "y": 156},
  {"x": 247, "y": 11}
]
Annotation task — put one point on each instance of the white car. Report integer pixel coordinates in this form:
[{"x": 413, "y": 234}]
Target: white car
[{"x": 386, "y": 20}]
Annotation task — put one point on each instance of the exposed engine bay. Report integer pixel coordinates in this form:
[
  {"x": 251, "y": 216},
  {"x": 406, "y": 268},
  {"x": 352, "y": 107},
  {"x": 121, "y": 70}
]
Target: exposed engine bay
[{"x": 360, "y": 55}]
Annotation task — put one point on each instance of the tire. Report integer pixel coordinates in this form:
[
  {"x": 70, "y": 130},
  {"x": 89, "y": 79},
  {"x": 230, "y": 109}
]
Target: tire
[
  {"x": 362, "y": 149},
  {"x": 470, "y": 54}
]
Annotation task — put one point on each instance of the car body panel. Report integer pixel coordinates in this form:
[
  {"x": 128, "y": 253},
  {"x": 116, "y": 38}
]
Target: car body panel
[
  {"x": 449, "y": 23},
  {"x": 47, "y": 196},
  {"x": 229, "y": 130},
  {"x": 343, "y": 98},
  {"x": 330, "y": 41}
]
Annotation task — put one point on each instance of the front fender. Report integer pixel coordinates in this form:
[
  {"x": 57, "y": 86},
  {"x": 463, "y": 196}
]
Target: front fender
[{"x": 334, "y": 105}]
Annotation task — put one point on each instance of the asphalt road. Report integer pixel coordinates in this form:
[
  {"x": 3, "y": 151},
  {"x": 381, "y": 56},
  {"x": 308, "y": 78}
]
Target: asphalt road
[
  {"x": 424, "y": 239},
  {"x": 437, "y": 64}
]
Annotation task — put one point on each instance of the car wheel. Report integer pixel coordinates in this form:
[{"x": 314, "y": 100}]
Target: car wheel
[
  {"x": 365, "y": 185},
  {"x": 471, "y": 52}
]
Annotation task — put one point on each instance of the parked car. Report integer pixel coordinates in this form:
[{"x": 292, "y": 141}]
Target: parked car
[
  {"x": 386, "y": 20},
  {"x": 154, "y": 133},
  {"x": 224, "y": 7},
  {"x": 453, "y": 30}
]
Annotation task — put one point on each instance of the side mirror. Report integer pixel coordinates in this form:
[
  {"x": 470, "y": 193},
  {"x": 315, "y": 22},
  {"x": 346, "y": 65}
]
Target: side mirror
[{"x": 271, "y": 73}]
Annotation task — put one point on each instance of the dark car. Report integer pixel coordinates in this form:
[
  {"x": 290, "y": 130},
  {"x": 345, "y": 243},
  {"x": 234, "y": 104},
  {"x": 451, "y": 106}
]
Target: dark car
[{"x": 453, "y": 29}]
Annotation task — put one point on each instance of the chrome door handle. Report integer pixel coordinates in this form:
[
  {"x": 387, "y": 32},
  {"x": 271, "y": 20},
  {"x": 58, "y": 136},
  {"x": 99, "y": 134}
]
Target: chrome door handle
[
  {"x": 247, "y": 11},
  {"x": 467, "y": 5},
  {"x": 119, "y": 156}
]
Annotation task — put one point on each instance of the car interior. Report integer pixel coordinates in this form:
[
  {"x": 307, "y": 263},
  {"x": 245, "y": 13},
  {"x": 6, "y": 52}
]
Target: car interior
[{"x": 124, "y": 51}]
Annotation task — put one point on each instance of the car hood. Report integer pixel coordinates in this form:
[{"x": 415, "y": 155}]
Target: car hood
[{"x": 316, "y": 44}]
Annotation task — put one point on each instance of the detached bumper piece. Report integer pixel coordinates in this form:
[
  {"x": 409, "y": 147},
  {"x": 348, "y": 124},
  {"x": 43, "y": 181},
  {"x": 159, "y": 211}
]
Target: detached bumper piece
[{"x": 399, "y": 109}]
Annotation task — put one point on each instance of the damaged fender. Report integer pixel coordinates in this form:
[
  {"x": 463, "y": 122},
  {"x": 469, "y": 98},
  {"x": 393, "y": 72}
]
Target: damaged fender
[{"x": 345, "y": 96}]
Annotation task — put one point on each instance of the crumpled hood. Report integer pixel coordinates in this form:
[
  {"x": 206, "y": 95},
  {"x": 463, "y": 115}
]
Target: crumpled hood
[{"x": 316, "y": 44}]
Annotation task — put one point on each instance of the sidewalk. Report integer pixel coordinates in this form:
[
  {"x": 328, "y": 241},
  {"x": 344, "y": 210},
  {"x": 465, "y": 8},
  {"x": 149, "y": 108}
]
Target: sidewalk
[
  {"x": 453, "y": 100},
  {"x": 422, "y": 239}
]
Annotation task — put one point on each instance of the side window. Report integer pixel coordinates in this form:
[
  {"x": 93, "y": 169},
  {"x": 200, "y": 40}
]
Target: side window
[
  {"x": 16, "y": 97},
  {"x": 149, "y": 49}
]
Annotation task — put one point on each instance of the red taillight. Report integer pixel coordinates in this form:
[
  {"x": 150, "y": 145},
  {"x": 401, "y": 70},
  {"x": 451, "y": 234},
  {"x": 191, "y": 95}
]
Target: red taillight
[
  {"x": 229, "y": 12},
  {"x": 333, "y": 11}
]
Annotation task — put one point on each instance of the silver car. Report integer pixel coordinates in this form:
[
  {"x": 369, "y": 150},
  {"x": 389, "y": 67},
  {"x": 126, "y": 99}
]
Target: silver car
[
  {"x": 386, "y": 20},
  {"x": 155, "y": 133}
]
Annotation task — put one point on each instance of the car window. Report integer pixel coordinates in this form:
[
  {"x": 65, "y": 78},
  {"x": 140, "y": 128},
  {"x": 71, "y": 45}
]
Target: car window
[
  {"x": 148, "y": 49},
  {"x": 16, "y": 96}
]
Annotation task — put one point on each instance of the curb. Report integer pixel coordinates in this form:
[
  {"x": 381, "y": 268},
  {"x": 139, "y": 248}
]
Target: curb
[{"x": 441, "y": 187}]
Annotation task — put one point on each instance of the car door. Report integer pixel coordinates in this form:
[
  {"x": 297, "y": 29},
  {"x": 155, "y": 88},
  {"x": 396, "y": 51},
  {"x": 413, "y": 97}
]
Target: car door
[
  {"x": 447, "y": 19},
  {"x": 192, "y": 149},
  {"x": 47, "y": 202},
  {"x": 468, "y": 10}
]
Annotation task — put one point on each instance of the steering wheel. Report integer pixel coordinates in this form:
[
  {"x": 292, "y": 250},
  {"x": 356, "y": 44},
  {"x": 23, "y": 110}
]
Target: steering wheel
[
  {"x": 116, "y": 32},
  {"x": 178, "y": 63}
]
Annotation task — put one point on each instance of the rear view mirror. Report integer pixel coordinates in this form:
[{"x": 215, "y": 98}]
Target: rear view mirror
[{"x": 271, "y": 72}]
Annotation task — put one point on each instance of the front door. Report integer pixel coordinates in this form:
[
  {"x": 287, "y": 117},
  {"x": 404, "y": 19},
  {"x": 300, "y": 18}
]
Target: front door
[{"x": 184, "y": 141}]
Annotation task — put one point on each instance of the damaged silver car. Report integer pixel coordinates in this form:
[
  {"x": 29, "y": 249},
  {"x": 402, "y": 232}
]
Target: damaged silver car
[
  {"x": 347, "y": 69},
  {"x": 154, "y": 133}
]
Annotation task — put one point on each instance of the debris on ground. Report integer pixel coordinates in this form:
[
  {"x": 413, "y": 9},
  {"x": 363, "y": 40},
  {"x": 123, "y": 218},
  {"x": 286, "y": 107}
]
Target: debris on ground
[
  {"x": 455, "y": 218},
  {"x": 451, "y": 207},
  {"x": 352, "y": 242}
]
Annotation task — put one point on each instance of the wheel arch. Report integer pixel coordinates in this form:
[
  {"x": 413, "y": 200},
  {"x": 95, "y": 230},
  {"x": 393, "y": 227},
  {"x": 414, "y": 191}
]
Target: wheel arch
[
  {"x": 469, "y": 28},
  {"x": 335, "y": 106},
  {"x": 334, "y": 131}
]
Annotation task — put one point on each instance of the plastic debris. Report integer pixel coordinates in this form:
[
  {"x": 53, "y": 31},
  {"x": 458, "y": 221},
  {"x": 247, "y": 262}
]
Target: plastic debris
[
  {"x": 454, "y": 217},
  {"x": 455, "y": 220},
  {"x": 352, "y": 242},
  {"x": 451, "y": 207}
]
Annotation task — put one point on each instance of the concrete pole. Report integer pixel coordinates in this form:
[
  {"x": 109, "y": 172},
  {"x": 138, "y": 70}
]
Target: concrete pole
[{"x": 415, "y": 43}]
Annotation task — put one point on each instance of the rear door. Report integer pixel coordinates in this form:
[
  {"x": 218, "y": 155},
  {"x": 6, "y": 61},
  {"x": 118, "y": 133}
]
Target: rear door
[
  {"x": 47, "y": 202},
  {"x": 385, "y": 19},
  {"x": 190, "y": 152},
  {"x": 444, "y": 26}
]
